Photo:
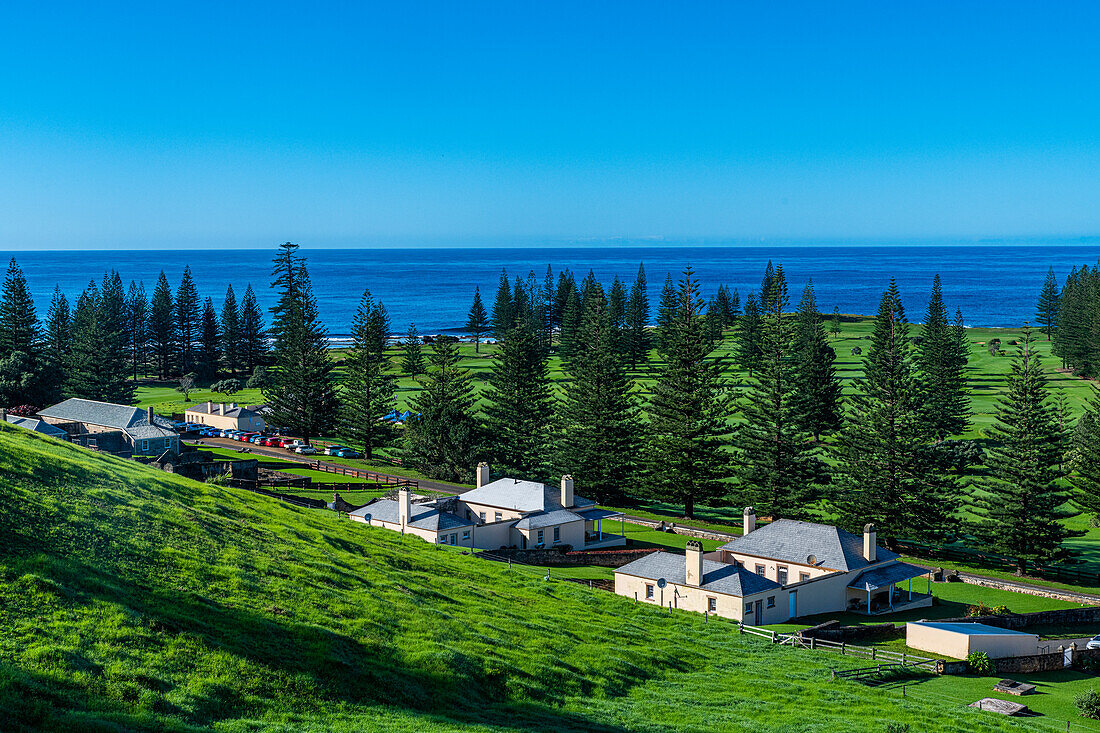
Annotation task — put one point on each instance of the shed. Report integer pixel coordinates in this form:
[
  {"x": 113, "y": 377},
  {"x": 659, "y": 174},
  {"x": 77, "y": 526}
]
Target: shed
[{"x": 958, "y": 639}]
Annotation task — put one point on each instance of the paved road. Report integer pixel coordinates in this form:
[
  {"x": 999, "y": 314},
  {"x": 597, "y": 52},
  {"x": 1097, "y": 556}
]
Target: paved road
[{"x": 285, "y": 455}]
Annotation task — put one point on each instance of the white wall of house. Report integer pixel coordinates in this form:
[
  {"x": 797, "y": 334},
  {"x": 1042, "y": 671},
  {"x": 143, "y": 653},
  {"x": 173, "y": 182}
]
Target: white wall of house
[
  {"x": 694, "y": 598},
  {"x": 491, "y": 514},
  {"x": 248, "y": 423}
]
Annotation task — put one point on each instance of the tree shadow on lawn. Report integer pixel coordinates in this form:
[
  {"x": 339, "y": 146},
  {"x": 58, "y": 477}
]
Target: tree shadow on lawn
[{"x": 308, "y": 667}]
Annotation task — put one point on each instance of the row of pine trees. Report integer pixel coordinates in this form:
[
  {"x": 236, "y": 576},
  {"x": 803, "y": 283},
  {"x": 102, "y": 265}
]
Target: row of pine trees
[
  {"x": 112, "y": 335},
  {"x": 1070, "y": 317}
]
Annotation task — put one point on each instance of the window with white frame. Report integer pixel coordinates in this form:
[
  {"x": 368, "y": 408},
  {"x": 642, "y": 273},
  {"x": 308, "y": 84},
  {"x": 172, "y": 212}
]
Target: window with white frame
[
  {"x": 781, "y": 574},
  {"x": 649, "y": 590},
  {"x": 497, "y": 516},
  {"x": 761, "y": 569},
  {"x": 481, "y": 517},
  {"x": 803, "y": 576},
  {"x": 557, "y": 534},
  {"x": 712, "y": 604},
  {"x": 540, "y": 533}
]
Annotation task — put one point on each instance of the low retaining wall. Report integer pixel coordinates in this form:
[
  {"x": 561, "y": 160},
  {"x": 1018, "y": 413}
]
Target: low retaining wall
[
  {"x": 687, "y": 531},
  {"x": 565, "y": 556},
  {"x": 833, "y": 631},
  {"x": 1017, "y": 621},
  {"x": 1029, "y": 590}
]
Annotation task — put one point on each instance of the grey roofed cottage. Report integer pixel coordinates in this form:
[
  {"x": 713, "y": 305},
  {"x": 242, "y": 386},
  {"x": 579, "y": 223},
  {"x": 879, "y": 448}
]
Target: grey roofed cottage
[
  {"x": 718, "y": 577},
  {"x": 422, "y": 516},
  {"x": 790, "y": 540},
  {"x": 521, "y": 496},
  {"x": 141, "y": 431}
]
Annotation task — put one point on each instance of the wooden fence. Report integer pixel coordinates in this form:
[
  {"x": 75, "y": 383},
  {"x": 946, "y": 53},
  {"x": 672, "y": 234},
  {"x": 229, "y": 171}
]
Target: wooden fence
[
  {"x": 1061, "y": 573},
  {"x": 380, "y": 478}
]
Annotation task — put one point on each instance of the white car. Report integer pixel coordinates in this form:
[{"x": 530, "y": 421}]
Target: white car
[
  {"x": 1093, "y": 643},
  {"x": 305, "y": 450}
]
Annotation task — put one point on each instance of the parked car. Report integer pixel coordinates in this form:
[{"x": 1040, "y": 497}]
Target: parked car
[
  {"x": 306, "y": 450},
  {"x": 347, "y": 453},
  {"x": 334, "y": 449},
  {"x": 1093, "y": 643}
]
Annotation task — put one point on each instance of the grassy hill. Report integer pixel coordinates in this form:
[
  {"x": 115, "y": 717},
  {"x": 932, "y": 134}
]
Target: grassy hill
[{"x": 135, "y": 600}]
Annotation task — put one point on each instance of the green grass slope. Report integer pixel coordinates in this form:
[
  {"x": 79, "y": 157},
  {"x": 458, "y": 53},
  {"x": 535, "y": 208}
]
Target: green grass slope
[{"x": 135, "y": 600}]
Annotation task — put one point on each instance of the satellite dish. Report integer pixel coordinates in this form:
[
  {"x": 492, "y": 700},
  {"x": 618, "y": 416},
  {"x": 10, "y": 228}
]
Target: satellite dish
[
  {"x": 661, "y": 582},
  {"x": 811, "y": 560}
]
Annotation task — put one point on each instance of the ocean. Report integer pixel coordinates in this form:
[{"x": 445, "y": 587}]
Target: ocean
[{"x": 433, "y": 288}]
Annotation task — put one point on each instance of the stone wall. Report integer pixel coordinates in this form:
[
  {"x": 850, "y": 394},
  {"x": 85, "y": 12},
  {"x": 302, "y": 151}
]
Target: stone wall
[
  {"x": 564, "y": 556},
  {"x": 665, "y": 526},
  {"x": 833, "y": 631},
  {"x": 1017, "y": 621},
  {"x": 1030, "y": 590}
]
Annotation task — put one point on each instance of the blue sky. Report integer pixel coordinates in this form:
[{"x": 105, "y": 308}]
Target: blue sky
[{"x": 353, "y": 124}]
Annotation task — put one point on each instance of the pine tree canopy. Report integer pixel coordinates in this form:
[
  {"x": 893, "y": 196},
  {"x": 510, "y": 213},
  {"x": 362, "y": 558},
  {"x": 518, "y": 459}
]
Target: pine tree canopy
[
  {"x": 885, "y": 474},
  {"x": 477, "y": 321},
  {"x": 600, "y": 428},
  {"x": 817, "y": 388},
  {"x": 941, "y": 364},
  {"x": 636, "y": 321},
  {"x": 689, "y": 409},
  {"x": 1046, "y": 310},
  {"x": 368, "y": 389},
  {"x": 1021, "y": 501},
  {"x": 776, "y": 460},
  {"x": 444, "y": 439},
  {"x": 519, "y": 408}
]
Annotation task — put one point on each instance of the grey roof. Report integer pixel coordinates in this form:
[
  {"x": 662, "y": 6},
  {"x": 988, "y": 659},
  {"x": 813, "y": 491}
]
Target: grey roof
[
  {"x": 718, "y": 577},
  {"x": 38, "y": 426},
  {"x": 548, "y": 519},
  {"x": 793, "y": 541},
  {"x": 131, "y": 420},
  {"x": 521, "y": 496},
  {"x": 887, "y": 575},
  {"x": 424, "y": 516},
  {"x": 234, "y": 411},
  {"x": 593, "y": 514}
]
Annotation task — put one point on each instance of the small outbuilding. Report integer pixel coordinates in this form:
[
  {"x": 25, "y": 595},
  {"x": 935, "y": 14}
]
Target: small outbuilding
[{"x": 958, "y": 639}]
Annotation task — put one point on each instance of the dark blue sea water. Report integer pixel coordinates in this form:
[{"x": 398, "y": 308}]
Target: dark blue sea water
[{"x": 993, "y": 285}]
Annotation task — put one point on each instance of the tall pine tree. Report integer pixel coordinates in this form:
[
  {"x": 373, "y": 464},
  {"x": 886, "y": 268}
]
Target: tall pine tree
[
  {"x": 503, "y": 315},
  {"x": 817, "y": 387},
  {"x": 689, "y": 410},
  {"x": 884, "y": 473},
  {"x": 519, "y": 407},
  {"x": 231, "y": 333},
  {"x": 188, "y": 315},
  {"x": 1021, "y": 501},
  {"x": 210, "y": 343},
  {"x": 443, "y": 438},
  {"x": 637, "y": 320},
  {"x": 301, "y": 385},
  {"x": 368, "y": 388},
  {"x": 254, "y": 346},
  {"x": 477, "y": 321},
  {"x": 162, "y": 327},
  {"x": 413, "y": 361},
  {"x": 777, "y": 463},
  {"x": 600, "y": 427},
  {"x": 22, "y": 368},
  {"x": 137, "y": 326},
  {"x": 749, "y": 340},
  {"x": 945, "y": 403},
  {"x": 114, "y": 364},
  {"x": 1046, "y": 310},
  {"x": 82, "y": 372},
  {"x": 58, "y": 343}
]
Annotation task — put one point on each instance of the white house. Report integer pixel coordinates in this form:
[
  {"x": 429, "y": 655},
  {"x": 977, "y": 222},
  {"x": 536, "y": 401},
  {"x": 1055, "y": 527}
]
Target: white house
[
  {"x": 503, "y": 513},
  {"x": 809, "y": 568}
]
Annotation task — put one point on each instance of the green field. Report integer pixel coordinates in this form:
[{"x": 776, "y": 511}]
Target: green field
[{"x": 137, "y": 600}]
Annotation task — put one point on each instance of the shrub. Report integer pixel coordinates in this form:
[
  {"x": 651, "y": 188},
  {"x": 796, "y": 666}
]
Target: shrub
[
  {"x": 978, "y": 663},
  {"x": 1088, "y": 704},
  {"x": 856, "y": 351},
  {"x": 897, "y": 728},
  {"x": 258, "y": 380},
  {"x": 1094, "y": 520},
  {"x": 983, "y": 610},
  {"x": 226, "y": 386},
  {"x": 994, "y": 341}
]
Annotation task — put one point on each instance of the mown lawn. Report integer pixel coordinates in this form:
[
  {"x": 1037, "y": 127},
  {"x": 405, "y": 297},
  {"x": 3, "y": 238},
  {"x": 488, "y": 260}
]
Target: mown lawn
[{"x": 136, "y": 600}]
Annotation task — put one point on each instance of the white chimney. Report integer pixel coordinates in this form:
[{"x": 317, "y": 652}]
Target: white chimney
[
  {"x": 869, "y": 544},
  {"x": 221, "y": 408},
  {"x": 404, "y": 507},
  {"x": 482, "y": 474},
  {"x": 567, "y": 491},
  {"x": 749, "y": 520},
  {"x": 210, "y": 407},
  {"x": 693, "y": 556}
]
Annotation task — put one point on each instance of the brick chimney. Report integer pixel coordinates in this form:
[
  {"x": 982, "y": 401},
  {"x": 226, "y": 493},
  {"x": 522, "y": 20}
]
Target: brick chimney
[
  {"x": 567, "y": 491},
  {"x": 482, "y": 474},
  {"x": 404, "y": 507},
  {"x": 749, "y": 520},
  {"x": 693, "y": 556},
  {"x": 869, "y": 542}
]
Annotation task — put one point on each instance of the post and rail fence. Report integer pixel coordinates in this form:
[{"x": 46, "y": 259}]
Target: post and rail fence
[
  {"x": 1058, "y": 573},
  {"x": 379, "y": 478}
]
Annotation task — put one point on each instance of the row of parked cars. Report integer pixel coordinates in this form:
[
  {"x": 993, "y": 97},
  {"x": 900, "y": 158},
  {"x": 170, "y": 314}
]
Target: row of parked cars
[{"x": 274, "y": 441}]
